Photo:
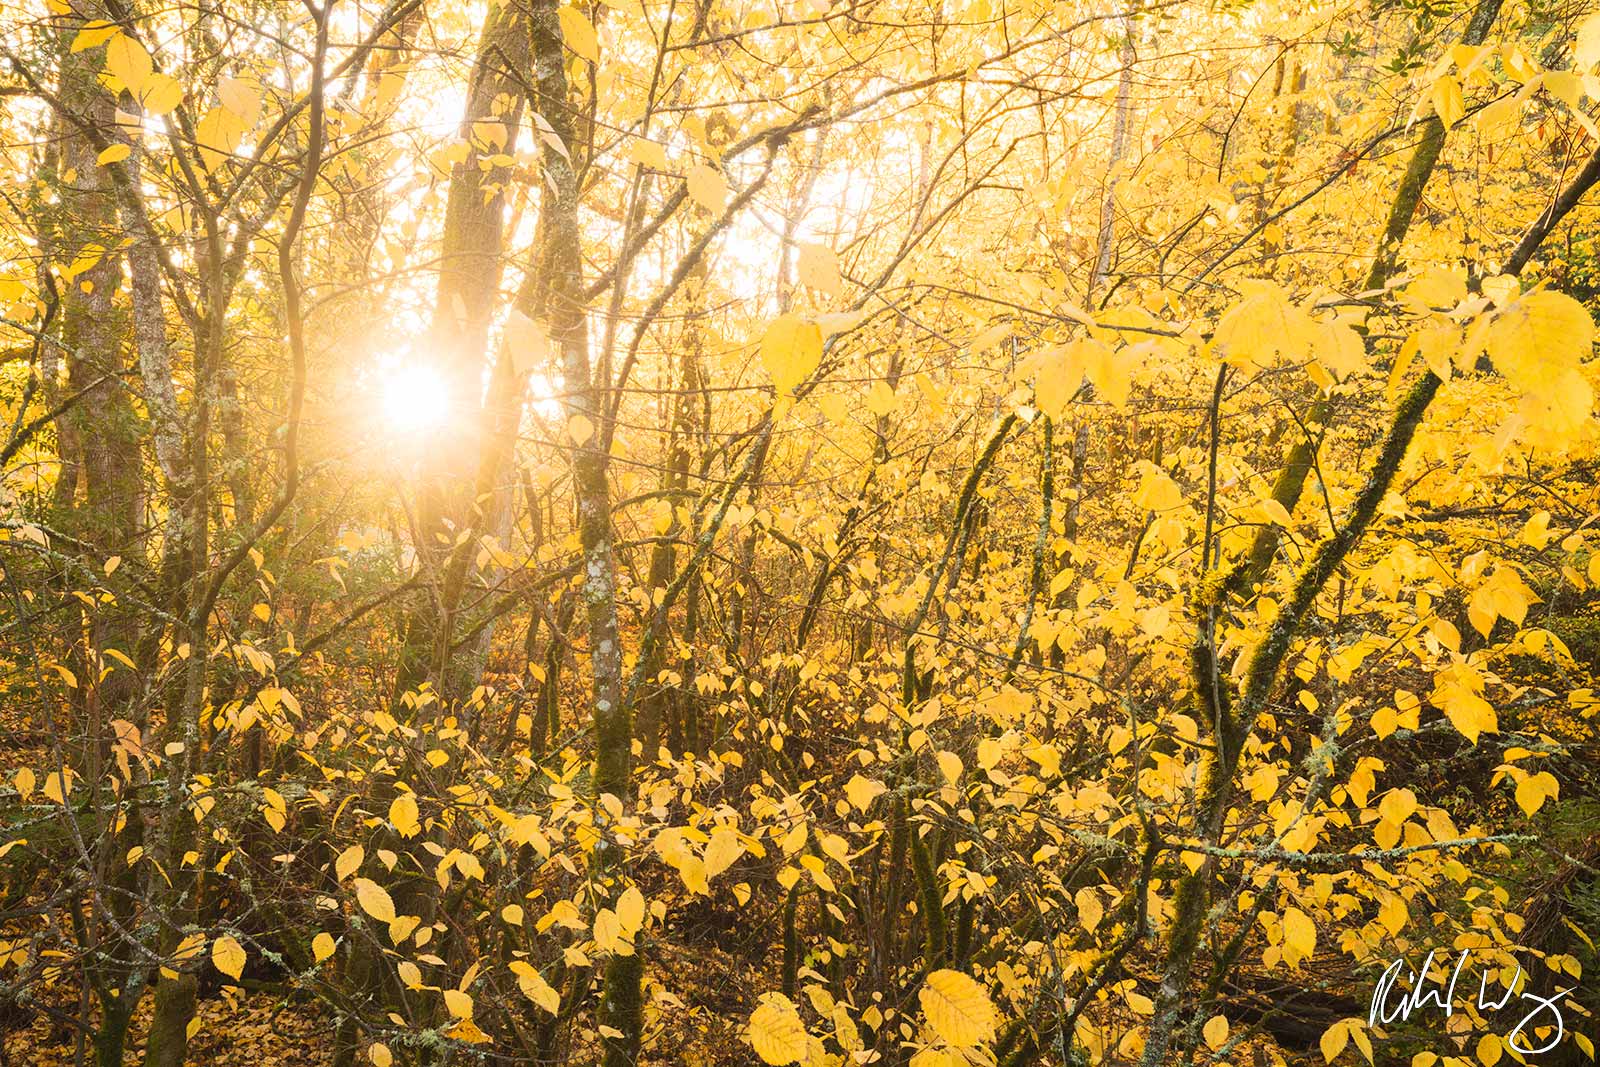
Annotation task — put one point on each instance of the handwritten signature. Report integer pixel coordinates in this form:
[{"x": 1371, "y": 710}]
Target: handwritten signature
[{"x": 1390, "y": 1004}]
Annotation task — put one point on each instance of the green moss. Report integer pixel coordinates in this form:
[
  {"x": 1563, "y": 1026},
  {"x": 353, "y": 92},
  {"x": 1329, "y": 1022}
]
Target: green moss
[{"x": 1581, "y": 635}]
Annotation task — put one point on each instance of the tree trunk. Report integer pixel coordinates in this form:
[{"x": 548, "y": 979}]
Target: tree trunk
[
  {"x": 106, "y": 433},
  {"x": 560, "y": 305},
  {"x": 469, "y": 277}
]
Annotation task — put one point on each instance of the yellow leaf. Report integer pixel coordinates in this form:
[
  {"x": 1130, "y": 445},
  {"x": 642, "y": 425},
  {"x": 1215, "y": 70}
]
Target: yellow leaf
[
  {"x": 24, "y": 782},
  {"x": 114, "y": 154},
  {"x": 161, "y": 94},
  {"x": 458, "y": 1004},
  {"x": 526, "y": 341},
  {"x": 1334, "y": 1039},
  {"x": 608, "y": 932},
  {"x": 512, "y": 914},
  {"x": 1215, "y": 1031},
  {"x": 1273, "y": 511},
  {"x": 1262, "y": 328},
  {"x": 790, "y": 350},
  {"x": 380, "y": 1055},
  {"x": 651, "y": 155},
  {"x": 1553, "y": 413},
  {"x": 1358, "y": 1033},
  {"x": 322, "y": 947},
  {"x": 228, "y": 956},
  {"x": 723, "y": 849},
  {"x": 630, "y": 911},
  {"x": 1397, "y": 805},
  {"x": 579, "y": 34},
  {"x": 662, "y": 518},
  {"x": 217, "y": 134},
  {"x": 403, "y": 815},
  {"x": 189, "y": 948},
  {"x": 1586, "y": 50},
  {"x": 1090, "y": 910},
  {"x": 1340, "y": 350},
  {"x": 1157, "y": 492},
  {"x": 776, "y": 1032},
  {"x": 1109, "y": 372},
  {"x": 1536, "y": 531},
  {"x": 1060, "y": 370},
  {"x": 34, "y": 534},
  {"x": 1534, "y": 789},
  {"x": 410, "y": 974},
  {"x": 403, "y": 927},
  {"x": 1447, "y": 101},
  {"x": 488, "y": 135},
  {"x": 1566, "y": 87},
  {"x": 534, "y": 987},
  {"x": 563, "y": 912},
  {"x": 240, "y": 97},
  {"x": 1538, "y": 338},
  {"x": 58, "y": 786},
  {"x": 94, "y": 33},
  {"x": 1299, "y": 936},
  {"x": 374, "y": 900},
  {"x": 818, "y": 267},
  {"x": 958, "y": 1008},
  {"x": 1457, "y": 691},
  {"x": 835, "y": 846},
  {"x": 348, "y": 862},
  {"x": 1384, "y": 722},
  {"x": 468, "y": 1031},
  {"x": 580, "y": 429},
  {"x": 707, "y": 188},
  {"x": 1489, "y": 1050},
  {"x": 1436, "y": 287},
  {"x": 861, "y": 792},
  {"x": 881, "y": 399},
  {"x": 1503, "y": 594},
  {"x": 128, "y": 62}
]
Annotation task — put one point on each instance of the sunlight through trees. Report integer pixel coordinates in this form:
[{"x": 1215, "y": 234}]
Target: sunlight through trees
[{"x": 991, "y": 532}]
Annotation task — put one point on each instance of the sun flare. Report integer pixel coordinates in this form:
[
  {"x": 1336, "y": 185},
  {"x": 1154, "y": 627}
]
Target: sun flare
[{"x": 415, "y": 398}]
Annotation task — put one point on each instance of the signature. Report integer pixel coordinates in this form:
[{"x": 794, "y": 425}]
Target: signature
[{"x": 1390, "y": 1003}]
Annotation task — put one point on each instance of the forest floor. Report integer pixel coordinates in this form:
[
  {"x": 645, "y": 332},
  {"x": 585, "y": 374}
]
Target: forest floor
[{"x": 254, "y": 1030}]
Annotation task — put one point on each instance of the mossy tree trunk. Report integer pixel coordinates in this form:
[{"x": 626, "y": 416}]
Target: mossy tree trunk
[{"x": 559, "y": 304}]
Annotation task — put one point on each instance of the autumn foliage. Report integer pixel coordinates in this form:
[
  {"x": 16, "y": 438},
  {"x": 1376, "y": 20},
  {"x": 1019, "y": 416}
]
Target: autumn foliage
[{"x": 845, "y": 532}]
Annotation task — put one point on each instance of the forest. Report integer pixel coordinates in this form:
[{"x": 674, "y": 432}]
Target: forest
[{"x": 918, "y": 533}]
